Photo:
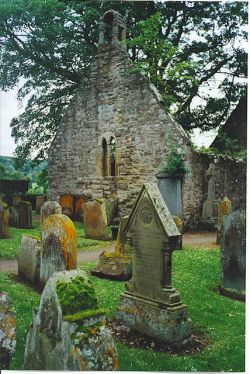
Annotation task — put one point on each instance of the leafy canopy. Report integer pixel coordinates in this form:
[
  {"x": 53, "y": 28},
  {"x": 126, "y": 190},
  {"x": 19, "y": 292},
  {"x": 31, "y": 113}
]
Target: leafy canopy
[{"x": 186, "y": 48}]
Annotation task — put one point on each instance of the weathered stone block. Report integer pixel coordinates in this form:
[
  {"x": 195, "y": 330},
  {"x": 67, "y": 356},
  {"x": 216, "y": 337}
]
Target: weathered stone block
[
  {"x": 39, "y": 201},
  {"x": 13, "y": 216},
  {"x": 111, "y": 207},
  {"x": 4, "y": 221},
  {"x": 224, "y": 208},
  {"x": 7, "y": 331},
  {"x": 78, "y": 208},
  {"x": 59, "y": 251},
  {"x": 48, "y": 208},
  {"x": 95, "y": 220},
  {"x": 24, "y": 215},
  {"x": 29, "y": 259},
  {"x": 66, "y": 202},
  {"x": 60, "y": 341},
  {"x": 233, "y": 251}
]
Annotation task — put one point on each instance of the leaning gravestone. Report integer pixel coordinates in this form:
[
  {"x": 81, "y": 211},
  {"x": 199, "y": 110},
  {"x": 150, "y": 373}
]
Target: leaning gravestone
[
  {"x": 24, "y": 215},
  {"x": 4, "y": 221},
  {"x": 233, "y": 251},
  {"x": 68, "y": 331},
  {"x": 48, "y": 208},
  {"x": 29, "y": 259},
  {"x": 95, "y": 220},
  {"x": 224, "y": 208},
  {"x": 59, "y": 250},
  {"x": 7, "y": 331},
  {"x": 117, "y": 264},
  {"x": 150, "y": 304}
]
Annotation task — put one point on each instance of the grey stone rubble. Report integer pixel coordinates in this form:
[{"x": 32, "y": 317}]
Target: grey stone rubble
[{"x": 54, "y": 343}]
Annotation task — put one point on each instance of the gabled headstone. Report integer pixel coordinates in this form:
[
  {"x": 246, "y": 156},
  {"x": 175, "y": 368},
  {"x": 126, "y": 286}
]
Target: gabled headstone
[
  {"x": 59, "y": 251},
  {"x": 233, "y": 251},
  {"x": 117, "y": 264},
  {"x": 4, "y": 221},
  {"x": 150, "y": 304},
  {"x": 24, "y": 217}
]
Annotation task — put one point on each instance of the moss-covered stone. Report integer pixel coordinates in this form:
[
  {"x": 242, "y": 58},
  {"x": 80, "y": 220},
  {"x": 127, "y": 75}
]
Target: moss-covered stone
[
  {"x": 76, "y": 295},
  {"x": 82, "y": 315}
]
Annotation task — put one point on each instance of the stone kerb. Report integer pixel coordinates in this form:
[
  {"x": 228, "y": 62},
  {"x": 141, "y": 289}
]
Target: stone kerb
[
  {"x": 59, "y": 246},
  {"x": 29, "y": 259},
  {"x": 68, "y": 331},
  {"x": 7, "y": 331},
  {"x": 24, "y": 215},
  {"x": 4, "y": 221}
]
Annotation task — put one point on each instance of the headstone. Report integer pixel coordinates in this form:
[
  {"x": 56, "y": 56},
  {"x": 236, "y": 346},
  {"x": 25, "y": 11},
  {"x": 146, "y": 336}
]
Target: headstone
[
  {"x": 233, "y": 251},
  {"x": 39, "y": 201},
  {"x": 111, "y": 208},
  {"x": 24, "y": 215},
  {"x": 117, "y": 264},
  {"x": 78, "y": 208},
  {"x": 66, "y": 202},
  {"x": 29, "y": 259},
  {"x": 4, "y": 221},
  {"x": 68, "y": 331},
  {"x": 224, "y": 208},
  {"x": 7, "y": 331},
  {"x": 59, "y": 251},
  {"x": 170, "y": 189},
  {"x": 48, "y": 208},
  {"x": 150, "y": 304},
  {"x": 13, "y": 216},
  {"x": 210, "y": 205},
  {"x": 95, "y": 220},
  {"x": 16, "y": 200}
]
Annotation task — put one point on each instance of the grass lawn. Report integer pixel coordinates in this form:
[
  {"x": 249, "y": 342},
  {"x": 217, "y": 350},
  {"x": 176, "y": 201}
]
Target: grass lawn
[
  {"x": 196, "y": 272},
  {"x": 9, "y": 247}
]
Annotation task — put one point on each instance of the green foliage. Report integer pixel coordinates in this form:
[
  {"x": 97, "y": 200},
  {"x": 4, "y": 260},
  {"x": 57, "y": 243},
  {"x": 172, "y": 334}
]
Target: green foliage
[
  {"x": 76, "y": 295},
  {"x": 195, "y": 274},
  {"x": 83, "y": 314},
  {"x": 186, "y": 48},
  {"x": 174, "y": 164}
]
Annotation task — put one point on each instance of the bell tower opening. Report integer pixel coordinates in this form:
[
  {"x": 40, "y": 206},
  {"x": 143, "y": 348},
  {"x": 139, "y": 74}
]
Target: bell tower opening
[{"x": 112, "y": 30}]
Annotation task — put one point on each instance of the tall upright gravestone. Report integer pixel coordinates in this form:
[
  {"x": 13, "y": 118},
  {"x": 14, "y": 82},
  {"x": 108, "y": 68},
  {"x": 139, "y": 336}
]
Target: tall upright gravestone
[
  {"x": 95, "y": 220},
  {"x": 4, "y": 221},
  {"x": 150, "y": 304},
  {"x": 24, "y": 215}
]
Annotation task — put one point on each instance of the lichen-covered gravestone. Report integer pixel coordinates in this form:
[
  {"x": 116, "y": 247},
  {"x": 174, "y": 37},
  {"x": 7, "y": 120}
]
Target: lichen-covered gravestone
[
  {"x": 29, "y": 259},
  {"x": 4, "y": 221},
  {"x": 48, "y": 208},
  {"x": 117, "y": 264},
  {"x": 59, "y": 240},
  {"x": 7, "y": 331},
  {"x": 24, "y": 215},
  {"x": 233, "y": 251},
  {"x": 68, "y": 331},
  {"x": 150, "y": 304},
  {"x": 224, "y": 208},
  {"x": 95, "y": 220}
]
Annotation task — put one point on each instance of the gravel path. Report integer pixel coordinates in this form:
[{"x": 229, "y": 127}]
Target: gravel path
[{"x": 201, "y": 240}]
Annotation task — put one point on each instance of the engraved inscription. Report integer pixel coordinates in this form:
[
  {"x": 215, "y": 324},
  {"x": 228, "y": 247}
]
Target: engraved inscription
[{"x": 146, "y": 215}]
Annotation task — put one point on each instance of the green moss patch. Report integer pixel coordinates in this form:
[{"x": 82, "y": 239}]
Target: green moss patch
[
  {"x": 76, "y": 295},
  {"x": 82, "y": 315}
]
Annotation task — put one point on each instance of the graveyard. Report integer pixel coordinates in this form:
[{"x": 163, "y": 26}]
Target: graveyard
[{"x": 131, "y": 254}]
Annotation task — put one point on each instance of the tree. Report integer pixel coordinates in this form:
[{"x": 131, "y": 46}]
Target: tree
[{"x": 182, "y": 46}]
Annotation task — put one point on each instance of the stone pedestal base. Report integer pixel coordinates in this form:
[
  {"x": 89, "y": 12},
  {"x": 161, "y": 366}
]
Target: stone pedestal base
[
  {"x": 114, "y": 266},
  {"x": 167, "y": 323}
]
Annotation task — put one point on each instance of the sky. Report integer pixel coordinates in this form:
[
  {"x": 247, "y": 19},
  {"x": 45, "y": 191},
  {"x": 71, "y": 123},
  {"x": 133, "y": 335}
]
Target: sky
[{"x": 10, "y": 107}]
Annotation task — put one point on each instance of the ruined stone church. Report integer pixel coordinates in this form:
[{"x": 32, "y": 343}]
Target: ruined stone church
[{"x": 116, "y": 134}]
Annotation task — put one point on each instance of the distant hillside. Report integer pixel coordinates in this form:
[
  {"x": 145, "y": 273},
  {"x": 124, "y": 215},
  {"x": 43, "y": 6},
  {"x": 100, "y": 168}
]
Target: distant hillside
[{"x": 25, "y": 172}]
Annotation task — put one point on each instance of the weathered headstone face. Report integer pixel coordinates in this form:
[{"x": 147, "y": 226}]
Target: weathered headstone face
[
  {"x": 111, "y": 207},
  {"x": 233, "y": 251},
  {"x": 24, "y": 218},
  {"x": 210, "y": 205},
  {"x": 48, "y": 208},
  {"x": 39, "y": 201},
  {"x": 29, "y": 259},
  {"x": 59, "y": 251},
  {"x": 117, "y": 264},
  {"x": 13, "y": 216},
  {"x": 55, "y": 340},
  {"x": 95, "y": 220},
  {"x": 4, "y": 221},
  {"x": 224, "y": 208},
  {"x": 66, "y": 202},
  {"x": 7, "y": 331},
  {"x": 150, "y": 304}
]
